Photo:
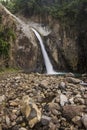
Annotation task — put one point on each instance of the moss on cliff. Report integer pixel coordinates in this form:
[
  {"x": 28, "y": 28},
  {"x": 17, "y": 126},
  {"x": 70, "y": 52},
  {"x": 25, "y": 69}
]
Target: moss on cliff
[{"x": 7, "y": 36}]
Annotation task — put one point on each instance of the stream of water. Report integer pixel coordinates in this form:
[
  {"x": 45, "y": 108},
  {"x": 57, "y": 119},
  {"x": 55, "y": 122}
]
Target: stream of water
[
  {"x": 26, "y": 29},
  {"x": 48, "y": 64}
]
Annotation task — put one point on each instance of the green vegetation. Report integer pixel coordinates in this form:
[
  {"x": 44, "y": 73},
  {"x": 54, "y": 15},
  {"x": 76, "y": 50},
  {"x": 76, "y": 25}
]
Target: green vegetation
[
  {"x": 5, "y": 35},
  {"x": 22, "y": 6},
  {"x": 71, "y": 13},
  {"x": 4, "y": 47},
  {"x": 26, "y": 7},
  {"x": 9, "y": 70}
]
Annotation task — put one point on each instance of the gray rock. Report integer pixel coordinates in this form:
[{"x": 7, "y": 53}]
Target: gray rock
[
  {"x": 13, "y": 103},
  {"x": 44, "y": 83},
  {"x": 30, "y": 110},
  {"x": 45, "y": 120},
  {"x": 70, "y": 111},
  {"x": 0, "y": 127},
  {"x": 52, "y": 126},
  {"x": 73, "y": 80},
  {"x": 69, "y": 75},
  {"x": 84, "y": 75},
  {"x": 63, "y": 100},
  {"x": 62, "y": 85},
  {"x": 77, "y": 120},
  {"x": 7, "y": 120},
  {"x": 53, "y": 105},
  {"x": 16, "y": 127},
  {"x": 13, "y": 123},
  {"x": 83, "y": 83},
  {"x": 84, "y": 120},
  {"x": 55, "y": 112},
  {"x": 79, "y": 100},
  {"x": 22, "y": 128},
  {"x": 57, "y": 100},
  {"x": 2, "y": 98},
  {"x": 71, "y": 100}
]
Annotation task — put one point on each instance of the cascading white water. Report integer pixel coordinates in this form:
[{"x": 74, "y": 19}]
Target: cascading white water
[
  {"x": 26, "y": 29},
  {"x": 47, "y": 61}
]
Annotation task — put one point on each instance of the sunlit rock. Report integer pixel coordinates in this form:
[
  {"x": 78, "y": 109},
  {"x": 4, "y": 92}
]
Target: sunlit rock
[
  {"x": 63, "y": 100},
  {"x": 30, "y": 110}
]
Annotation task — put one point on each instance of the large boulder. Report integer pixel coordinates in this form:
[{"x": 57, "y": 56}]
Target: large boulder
[{"x": 30, "y": 110}]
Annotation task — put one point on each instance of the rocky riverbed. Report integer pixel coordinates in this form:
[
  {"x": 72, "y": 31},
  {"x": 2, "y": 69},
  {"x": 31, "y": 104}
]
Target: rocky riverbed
[{"x": 42, "y": 102}]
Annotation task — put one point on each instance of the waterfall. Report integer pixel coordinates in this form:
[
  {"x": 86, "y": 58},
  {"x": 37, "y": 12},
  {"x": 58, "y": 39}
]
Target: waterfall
[
  {"x": 49, "y": 67},
  {"x": 26, "y": 30}
]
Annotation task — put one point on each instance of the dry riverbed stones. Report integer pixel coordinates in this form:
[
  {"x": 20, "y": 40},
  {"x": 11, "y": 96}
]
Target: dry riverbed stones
[{"x": 42, "y": 102}]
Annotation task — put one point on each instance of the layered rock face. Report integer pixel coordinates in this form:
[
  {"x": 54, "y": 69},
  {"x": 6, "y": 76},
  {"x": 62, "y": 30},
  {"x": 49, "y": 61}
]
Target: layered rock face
[
  {"x": 69, "y": 48},
  {"x": 24, "y": 52},
  {"x": 65, "y": 48}
]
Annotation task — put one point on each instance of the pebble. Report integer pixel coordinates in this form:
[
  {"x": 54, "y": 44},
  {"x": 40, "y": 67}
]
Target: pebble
[
  {"x": 73, "y": 80},
  {"x": 7, "y": 120},
  {"x": 71, "y": 100},
  {"x": 77, "y": 120},
  {"x": 62, "y": 85},
  {"x": 84, "y": 120},
  {"x": 34, "y": 101},
  {"x": 13, "y": 103},
  {"x": 70, "y": 111},
  {"x": 69, "y": 75},
  {"x": 63, "y": 100},
  {"x": 45, "y": 120},
  {"x": 2, "y": 98},
  {"x": 0, "y": 127},
  {"x": 22, "y": 128}
]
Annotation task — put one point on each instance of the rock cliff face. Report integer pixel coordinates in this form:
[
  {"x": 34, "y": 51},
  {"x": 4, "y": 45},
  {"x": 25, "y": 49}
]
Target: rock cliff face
[
  {"x": 65, "y": 48},
  {"x": 68, "y": 48},
  {"x": 24, "y": 52}
]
